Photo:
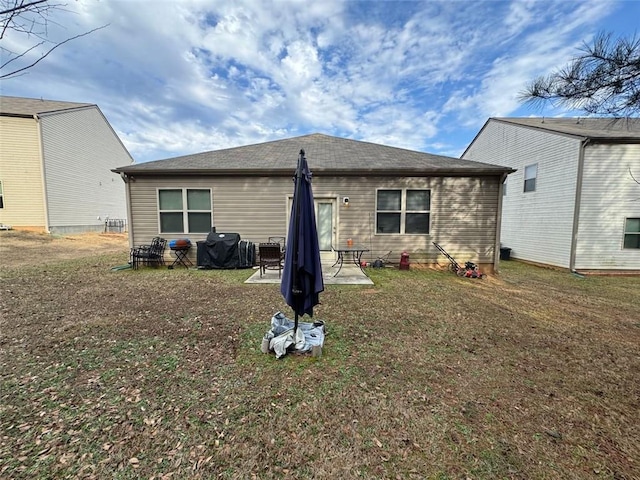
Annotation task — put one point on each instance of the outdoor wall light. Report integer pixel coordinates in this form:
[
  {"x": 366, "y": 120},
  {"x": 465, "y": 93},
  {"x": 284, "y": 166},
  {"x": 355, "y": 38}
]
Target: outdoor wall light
[{"x": 345, "y": 202}]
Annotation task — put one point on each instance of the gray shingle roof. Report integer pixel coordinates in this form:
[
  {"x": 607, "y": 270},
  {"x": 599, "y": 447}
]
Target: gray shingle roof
[
  {"x": 614, "y": 129},
  {"x": 28, "y": 107},
  {"x": 326, "y": 155}
]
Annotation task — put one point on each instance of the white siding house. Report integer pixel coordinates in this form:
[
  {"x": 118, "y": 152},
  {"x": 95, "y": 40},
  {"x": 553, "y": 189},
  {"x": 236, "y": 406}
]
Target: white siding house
[
  {"x": 573, "y": 201},
  {"x": 55, "y": 166}
]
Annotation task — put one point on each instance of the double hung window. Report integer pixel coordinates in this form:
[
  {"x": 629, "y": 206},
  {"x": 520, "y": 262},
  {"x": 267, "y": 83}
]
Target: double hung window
[
  {"x": 530, "y": 174},
  {"x": 632, "y": 233},
  {"x": 404, "y": 211},
  {"x": 185, "y": 210}
]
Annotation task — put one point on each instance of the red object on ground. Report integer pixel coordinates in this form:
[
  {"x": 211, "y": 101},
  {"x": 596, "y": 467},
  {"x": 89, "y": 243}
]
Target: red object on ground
[{"x": 404, "y": 261}]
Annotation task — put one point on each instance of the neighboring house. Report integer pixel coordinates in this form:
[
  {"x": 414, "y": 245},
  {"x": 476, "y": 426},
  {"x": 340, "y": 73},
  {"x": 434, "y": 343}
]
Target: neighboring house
[
  {"x": 387, "y": 199},
  {"x": 573, "y": 202},
  {"x": 55, "y": 166}
]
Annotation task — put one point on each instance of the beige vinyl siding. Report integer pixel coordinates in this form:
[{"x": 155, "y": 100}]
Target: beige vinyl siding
[
  {"x": 463, "y": 216},
  {"x": 80, "y": 149},
  {"x": 609, "y": 195},
  {"x": 247, "y": 206},
  {"x": 463, "y": 211},
  {"x": 21, "y": 174},
  {"x": 537, "y": 226}
]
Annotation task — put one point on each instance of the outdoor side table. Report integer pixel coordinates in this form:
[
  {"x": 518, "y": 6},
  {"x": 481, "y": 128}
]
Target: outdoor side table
[
  {"x": 181, "y": 252},
  {"x": 355, "y": 251}
]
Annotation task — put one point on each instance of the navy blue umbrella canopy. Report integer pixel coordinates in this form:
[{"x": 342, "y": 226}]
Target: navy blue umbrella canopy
[{"x": 302, "y": 275}]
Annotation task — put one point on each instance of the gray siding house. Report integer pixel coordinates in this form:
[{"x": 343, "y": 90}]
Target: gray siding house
[
  {"x": 573, "y": 202},
  {"x": 387, "y": 199},
  {"x": 55, "y": 166}
]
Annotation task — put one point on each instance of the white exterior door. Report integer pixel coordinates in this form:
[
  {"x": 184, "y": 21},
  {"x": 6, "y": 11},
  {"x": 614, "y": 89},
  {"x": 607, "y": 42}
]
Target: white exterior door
[{"x": 326, "y": 224}]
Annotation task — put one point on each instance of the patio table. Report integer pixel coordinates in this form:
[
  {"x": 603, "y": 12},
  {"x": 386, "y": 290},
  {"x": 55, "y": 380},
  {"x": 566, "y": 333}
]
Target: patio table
[{"x": 355, "y": 251}]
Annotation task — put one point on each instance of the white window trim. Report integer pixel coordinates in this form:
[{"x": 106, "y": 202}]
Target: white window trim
[
  {"x": 1, "y": 195},
  {"x": 624, "y": 235},
  {"x": 534, "y": 178},
  {"x": 403, "y": 210},
  {"x": 185, "y": 211}
]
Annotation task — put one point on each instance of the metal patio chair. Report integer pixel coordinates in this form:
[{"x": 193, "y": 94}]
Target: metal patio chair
[
  {"x": 150, "y": 255},
  {"x": 271, "y": 256},
  {"x": 279, "y": 240}
]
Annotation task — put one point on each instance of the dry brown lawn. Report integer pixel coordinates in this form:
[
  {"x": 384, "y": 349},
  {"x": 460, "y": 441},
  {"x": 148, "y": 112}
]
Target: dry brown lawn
[
  {"x": 157, "y": 373},
  {"x": 20, "y": 249}
]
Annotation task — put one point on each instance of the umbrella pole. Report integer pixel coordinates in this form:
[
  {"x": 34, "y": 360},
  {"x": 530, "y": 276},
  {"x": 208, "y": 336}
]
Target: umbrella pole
[{"x": 296, "y": 226}]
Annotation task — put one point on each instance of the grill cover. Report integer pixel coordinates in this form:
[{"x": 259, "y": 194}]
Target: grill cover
[{"x": 219, "y": 250}]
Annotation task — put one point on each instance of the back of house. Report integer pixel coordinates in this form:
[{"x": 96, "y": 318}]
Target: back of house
[{"x": 383, "y": 198}]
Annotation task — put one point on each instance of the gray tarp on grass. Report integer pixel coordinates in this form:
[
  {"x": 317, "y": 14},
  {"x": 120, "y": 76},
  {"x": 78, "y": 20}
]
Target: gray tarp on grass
[{"x": 280, "y": 337}]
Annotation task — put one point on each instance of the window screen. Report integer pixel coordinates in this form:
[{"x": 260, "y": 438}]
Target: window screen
[
  {"x": 632, "y": 233},
  {"x": 530, "y": 175},
  {"x": 403, "y": 211},
  {"x": 197, "y": 217}
]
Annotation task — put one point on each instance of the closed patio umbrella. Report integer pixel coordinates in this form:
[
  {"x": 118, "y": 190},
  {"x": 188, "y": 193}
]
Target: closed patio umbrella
[{"x": 302, "y": 274}]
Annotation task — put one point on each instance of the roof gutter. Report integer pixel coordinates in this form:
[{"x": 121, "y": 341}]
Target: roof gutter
[
  {"x": 133, "y": 172},
  {"x": 576, "y": 206},
  {"x": 18, "y": 115}
]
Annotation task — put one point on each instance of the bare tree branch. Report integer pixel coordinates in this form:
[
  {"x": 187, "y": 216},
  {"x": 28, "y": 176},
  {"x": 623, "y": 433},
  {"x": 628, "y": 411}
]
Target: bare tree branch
[
  {"x": 18, "y": 56},
  {"x": 15, "y": 72},
  {"x": 30, "y": 18},
  {"x": 22, "y": 6}
]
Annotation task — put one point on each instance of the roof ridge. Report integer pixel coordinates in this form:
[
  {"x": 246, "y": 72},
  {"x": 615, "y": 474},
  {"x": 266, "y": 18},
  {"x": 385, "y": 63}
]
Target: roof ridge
[
  {"x": 327, "y": 155},
  {"x": 601, "y": 128}
]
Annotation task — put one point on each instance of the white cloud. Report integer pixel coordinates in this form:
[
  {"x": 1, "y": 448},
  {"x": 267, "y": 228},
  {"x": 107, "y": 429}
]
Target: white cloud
[
  {"x": 532, "y": 54},
  {"x": 183, "y": 77},
  {"x": 301, "y": 66}
]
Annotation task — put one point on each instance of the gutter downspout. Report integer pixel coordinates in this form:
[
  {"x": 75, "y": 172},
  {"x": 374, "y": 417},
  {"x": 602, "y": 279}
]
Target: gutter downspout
[
  {"x": 576, "y": 208},
  {"x": 126, "y": 179},
  {"x": 45, "y": 198},
  {"x": 496, "y": 248}
]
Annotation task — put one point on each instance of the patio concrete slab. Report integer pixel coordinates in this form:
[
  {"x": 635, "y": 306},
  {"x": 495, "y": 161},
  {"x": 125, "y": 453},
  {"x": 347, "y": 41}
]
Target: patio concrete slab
[{"x": 349, "y": 275}]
